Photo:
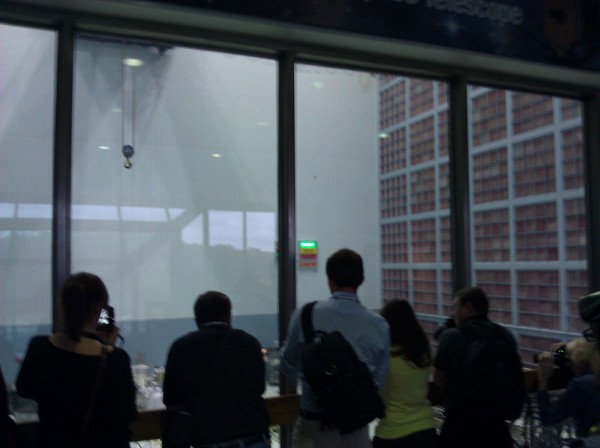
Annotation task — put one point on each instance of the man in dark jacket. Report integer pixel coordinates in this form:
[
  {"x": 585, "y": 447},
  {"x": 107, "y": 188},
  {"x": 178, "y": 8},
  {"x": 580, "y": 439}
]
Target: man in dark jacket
[
  {"x": 217, "y": 374},
  {"x": 465, "y": 427}
]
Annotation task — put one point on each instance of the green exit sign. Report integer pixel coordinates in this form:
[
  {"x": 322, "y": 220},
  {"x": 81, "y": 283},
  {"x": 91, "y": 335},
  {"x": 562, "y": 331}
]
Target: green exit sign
[{"x": 307, "y": 244}]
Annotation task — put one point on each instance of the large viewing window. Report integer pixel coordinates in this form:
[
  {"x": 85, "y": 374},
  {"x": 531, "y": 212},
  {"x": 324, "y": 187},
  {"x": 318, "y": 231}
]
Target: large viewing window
[
  {"x": 197, "y": 209},
  {"x": 414, "y": 195},
  {"x": 336, "y": 175},
  {"x": 174, "y": 190},
  {"x": 528, "y": 215}
]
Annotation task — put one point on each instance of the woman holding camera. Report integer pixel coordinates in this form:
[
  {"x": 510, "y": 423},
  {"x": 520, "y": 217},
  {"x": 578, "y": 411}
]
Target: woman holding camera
[
  {"x": 83, "y": 384},
  {"x": 581, "y": 399}
]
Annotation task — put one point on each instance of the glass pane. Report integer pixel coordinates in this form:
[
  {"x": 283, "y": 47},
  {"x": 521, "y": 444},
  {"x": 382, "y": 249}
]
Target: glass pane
[
  {"x": 415, "y": 195},
  {"x": 27, "y": 86},
  {"x": 197, "y": 209},
  {"x": 528, "y": 213},
  {"x": 337, "y": 180},
  {"x": 372, "y": 175}
]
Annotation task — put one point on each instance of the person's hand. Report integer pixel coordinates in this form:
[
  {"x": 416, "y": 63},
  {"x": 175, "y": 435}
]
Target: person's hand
[
  {"x": 110, "y": 337},
  {"x": 545, "y": 369}
]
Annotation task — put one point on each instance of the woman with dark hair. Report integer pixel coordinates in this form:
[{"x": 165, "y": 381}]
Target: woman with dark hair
[
  {"x": 408, "y": 421},
  {"x": 82, "y": 383}
]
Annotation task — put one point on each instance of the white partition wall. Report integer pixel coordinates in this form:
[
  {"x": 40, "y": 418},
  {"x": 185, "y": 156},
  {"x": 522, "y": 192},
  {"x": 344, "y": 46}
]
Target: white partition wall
[{"x": 337, "y": 189}]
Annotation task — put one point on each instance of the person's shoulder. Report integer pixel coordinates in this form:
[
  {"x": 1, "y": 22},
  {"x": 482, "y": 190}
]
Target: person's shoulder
[
  {"x": 452, "y": 336},
  {"x": 242, "y": 335},
  {"x": 187, "y": 340},
  {"x": 376, "y": 316},
  {"x": 40, "y": 339},
  {"x": 377, "y": 319},
  {"x": 39, "y": 342},
  {"x": 117, "y": 354},
  {"x": 508, "y": 334},
  {"x": 586, "y": 380}
]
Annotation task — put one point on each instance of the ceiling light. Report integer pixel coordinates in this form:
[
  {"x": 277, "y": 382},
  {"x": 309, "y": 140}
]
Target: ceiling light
[
  {"x": 133, "y": 62},
  {"x": 216, "y": 155},
  {"x": 104, "y": 147},
  {"x": 318, "y": 84},
  {"x": 383, "y": 135}
]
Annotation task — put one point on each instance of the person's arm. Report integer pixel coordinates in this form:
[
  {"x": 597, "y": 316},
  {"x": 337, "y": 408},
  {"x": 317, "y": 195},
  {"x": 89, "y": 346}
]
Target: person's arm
[
  {"x": 290, "y": 351},
  {"x": 544, "y": 370},
  {"x": 123, "y": 387},
  {"x": 259, "y": 367},
  {"x": 566, "y": 406},
  {"x": 173, "y": 397},
  {"x": 451, "y": 342},
  {"x": 28, "y": 382},
  {"x": 382, "y": 366},
  {"x": 444, "y": 357}
]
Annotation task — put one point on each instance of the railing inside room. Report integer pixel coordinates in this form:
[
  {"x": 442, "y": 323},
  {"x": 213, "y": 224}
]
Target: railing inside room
[{"x": 283, "y": 410}]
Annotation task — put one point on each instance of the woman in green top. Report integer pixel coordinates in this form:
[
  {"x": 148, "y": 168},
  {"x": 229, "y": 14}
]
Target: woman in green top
[{"x": 408, "y": 422}]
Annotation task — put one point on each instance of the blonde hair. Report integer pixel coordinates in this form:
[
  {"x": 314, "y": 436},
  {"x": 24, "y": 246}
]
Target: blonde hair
[{"x": 581, "y": 352}]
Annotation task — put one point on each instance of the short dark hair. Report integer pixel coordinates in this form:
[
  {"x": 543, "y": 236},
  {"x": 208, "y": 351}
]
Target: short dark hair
[
  {"x": 476, "y": 297},
  {"x": 212, "y": 306},
  {"x": 345, "y": 268}
]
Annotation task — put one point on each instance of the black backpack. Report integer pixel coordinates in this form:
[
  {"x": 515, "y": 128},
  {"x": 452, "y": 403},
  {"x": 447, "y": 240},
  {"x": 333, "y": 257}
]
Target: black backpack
[
  {"x": 343, "y": 384},
  {"x": 491, "y": 375}
]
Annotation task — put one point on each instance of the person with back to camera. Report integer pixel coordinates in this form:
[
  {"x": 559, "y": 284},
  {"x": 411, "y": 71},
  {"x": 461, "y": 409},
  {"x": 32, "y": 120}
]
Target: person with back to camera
[
  {"x": 366, "y": 332},
  {"x": 217, "y": 375},
  {"x": 589, "y": 307},
  {"x": 581, "y": 398},
  {"x": 7, "y": 424},
  {"x": 82, "y": 383},
  {"x": 408, "y": 422},
  {"x": 478, "y": 363}
]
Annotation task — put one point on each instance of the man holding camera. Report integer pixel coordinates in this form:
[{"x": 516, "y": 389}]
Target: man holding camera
[
  {"x": 581, "y": 399},
  {"x": 483, "y": 385}
]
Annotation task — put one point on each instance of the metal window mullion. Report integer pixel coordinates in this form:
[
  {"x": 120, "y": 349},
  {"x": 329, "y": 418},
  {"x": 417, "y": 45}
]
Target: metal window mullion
[
  {"x": 408, "y": 172},
  {"x": 511, "y": 205},
  {"x": 560, "y": 215},
  {"x": 61, "y": 193},
  {"x": 459, "y": 183},
  {"x": 591, "y": 130},
  {"x": 286, "y": 180},
  {"x": 438, "y": 218}
]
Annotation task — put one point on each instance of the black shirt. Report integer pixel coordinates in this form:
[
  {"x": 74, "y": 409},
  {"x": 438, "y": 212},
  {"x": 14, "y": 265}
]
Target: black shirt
[
  {"x": 218, "y": 373},
  {"x": 61, "y": 382}
]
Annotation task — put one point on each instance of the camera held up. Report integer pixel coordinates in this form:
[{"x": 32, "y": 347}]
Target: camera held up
[{"x": 561, "y": 360}]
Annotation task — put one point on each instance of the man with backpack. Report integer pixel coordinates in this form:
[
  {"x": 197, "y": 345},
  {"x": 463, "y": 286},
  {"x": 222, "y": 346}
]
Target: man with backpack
[
  {"x": 342, "y": 362},
  {"x": 478, "y": 363}
]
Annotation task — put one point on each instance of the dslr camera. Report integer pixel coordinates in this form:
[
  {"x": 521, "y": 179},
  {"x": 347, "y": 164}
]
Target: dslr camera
[
  {"x": 559, "y": 356},
  {"x": 561, "y": 360}
]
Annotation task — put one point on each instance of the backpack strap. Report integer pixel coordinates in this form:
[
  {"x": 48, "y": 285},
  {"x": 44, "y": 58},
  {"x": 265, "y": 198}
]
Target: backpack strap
[{"x": 307, "y": 324}]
